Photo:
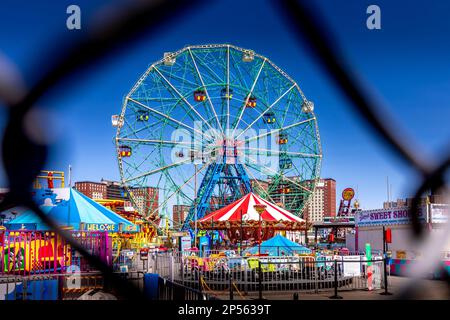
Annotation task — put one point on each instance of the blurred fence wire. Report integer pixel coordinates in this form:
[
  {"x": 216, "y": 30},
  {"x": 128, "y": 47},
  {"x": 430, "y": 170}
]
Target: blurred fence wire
[
  {"x": 24, "y": 155},
  {"x": 305, "y": 22}
]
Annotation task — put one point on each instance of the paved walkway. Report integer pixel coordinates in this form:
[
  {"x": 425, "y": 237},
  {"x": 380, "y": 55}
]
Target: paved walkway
[{"x": 424, "y": 290}]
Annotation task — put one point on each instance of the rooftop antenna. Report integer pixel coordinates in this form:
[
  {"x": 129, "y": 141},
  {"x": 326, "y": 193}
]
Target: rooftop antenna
[
  {"x": 70, "y": 176},
  {"x": 387, "y": 189},
  {"x": 390, "y": 191}
]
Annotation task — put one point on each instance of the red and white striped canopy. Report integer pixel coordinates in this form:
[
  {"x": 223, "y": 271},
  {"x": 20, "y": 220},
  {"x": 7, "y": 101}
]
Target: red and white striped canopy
[{"x": 244, "y": 206}]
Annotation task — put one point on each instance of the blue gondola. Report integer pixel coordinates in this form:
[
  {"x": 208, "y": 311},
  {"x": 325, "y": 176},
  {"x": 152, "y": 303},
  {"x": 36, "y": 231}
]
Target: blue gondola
[
  {"x": 269, "y": 117},
  {"x": 142, "y": 116},
  {"x": 285, "y": 163},
  {"x": 226, "y": 95}
]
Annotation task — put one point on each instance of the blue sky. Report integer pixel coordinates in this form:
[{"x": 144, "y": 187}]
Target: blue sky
[{"x": 406, "y": 62}]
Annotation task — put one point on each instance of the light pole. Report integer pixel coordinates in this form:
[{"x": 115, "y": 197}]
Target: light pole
[
  {"x": 240, "y": 244},
  {"x": 195, "y": 205},
  {"x": 260, "y": 208}
]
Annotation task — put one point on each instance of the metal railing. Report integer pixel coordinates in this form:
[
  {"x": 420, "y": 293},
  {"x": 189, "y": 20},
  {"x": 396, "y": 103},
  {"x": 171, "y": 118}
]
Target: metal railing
[
  {"x": 281, "y": 274},
  {"x": 170, "y": 290}
]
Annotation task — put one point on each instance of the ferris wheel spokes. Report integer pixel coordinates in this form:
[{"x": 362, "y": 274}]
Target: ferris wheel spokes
[
  {"x": 267, "y": 152},
  {"x": 208, "y": 106},
  {"x": 242, "y": 108},
  {"x": 183, "y": 98},
  {"x": 202, "y": 134},
  {"x": 257, "y": 182},
  {"x": 206, "y": 90},
  {"x": 157, "y": 170},
  {"x": 180, "y": 188},
  {"x": 265, "y": 111},
  {"x": 275, "y": 173},
  {"x": 274, "y": 131},
  {"x": 157, "y": 142}
]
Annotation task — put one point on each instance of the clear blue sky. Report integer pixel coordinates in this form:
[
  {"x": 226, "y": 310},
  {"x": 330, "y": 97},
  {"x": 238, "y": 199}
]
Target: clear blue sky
[{"x": 406, "y": 62}]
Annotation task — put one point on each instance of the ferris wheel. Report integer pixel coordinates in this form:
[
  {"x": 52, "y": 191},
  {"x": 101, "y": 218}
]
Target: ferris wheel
[{"x": 208, "y": 124}]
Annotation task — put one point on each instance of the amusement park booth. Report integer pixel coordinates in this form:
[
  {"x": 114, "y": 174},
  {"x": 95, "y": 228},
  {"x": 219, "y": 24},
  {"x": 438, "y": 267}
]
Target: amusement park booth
[
  {"x": 70, "y": 208},
  {"x": 398, "y": 233},
  {"x": 240, "y": 221},
  {"x": 29, "y": 246}
]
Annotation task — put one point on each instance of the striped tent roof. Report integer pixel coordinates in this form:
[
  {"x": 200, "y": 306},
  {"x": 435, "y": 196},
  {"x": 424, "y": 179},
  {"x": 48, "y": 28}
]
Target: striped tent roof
[
  {"x": 244, "y": 206},
  {"x": 75, "y": 210}
]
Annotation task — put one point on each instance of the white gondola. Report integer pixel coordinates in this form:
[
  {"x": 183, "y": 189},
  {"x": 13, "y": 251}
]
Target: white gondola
[
  {"x": 116, "y": 121},
  {"x": 169, "y": 59},
  {"x": 248, "y": 56},
  {"x": 308, "y": 106}
]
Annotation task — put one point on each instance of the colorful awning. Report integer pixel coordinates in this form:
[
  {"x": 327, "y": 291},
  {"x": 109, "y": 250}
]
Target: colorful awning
[
  {"x": 68, "y": 207},
  {"x": 245, "y": 207},
  {"x": 243, "y": 214}
]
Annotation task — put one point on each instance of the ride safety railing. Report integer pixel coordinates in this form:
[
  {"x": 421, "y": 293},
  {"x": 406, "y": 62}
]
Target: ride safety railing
[{"x": 244, "y": 275}]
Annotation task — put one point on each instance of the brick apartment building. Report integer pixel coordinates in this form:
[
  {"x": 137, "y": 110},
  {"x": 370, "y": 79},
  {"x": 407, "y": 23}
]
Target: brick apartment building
[
  {"x": 115, "y": 190},
  {"x": 432, "y": 198},
  {"x": 258, "y": 184},
  {"x": 93, "y": 190},
  {"x": 179, "y": 214},
  {"x": 146, "y": 198}
]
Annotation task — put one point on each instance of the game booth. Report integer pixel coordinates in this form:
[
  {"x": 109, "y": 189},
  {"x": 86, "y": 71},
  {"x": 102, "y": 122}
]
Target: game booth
[
  {"x": 29, "y": 246},
  {"x": 396, "y": 223}
]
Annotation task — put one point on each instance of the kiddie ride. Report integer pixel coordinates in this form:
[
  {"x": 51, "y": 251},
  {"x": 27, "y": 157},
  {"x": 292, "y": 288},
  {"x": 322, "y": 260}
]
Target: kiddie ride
[
  {"x": 126, "y": 245},
  {"x": 30, "y": 252}
]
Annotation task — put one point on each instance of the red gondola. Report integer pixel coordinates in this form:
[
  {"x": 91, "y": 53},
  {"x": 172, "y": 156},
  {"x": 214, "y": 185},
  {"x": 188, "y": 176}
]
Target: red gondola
[
  {"x": 282, "y": 138},
  {"x": 251, "y": 103},
  {"x": 124, "y": 151},
  {"x": 199, "y": 95}
]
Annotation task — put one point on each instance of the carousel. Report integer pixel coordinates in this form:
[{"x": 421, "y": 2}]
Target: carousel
[{"x": 251, "y": 218}]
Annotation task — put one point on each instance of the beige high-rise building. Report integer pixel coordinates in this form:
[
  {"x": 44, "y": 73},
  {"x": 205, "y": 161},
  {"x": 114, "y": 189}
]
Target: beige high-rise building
[{"x": 323, "y": 202}]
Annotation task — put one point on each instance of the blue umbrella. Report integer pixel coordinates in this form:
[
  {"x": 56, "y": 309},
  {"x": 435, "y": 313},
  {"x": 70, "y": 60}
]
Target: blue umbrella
[{"x": 278, "y": 246}]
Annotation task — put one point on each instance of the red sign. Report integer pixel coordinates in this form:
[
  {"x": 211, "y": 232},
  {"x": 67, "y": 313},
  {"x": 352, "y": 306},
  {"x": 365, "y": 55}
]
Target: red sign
[
  {"x": 348, "y": 194},
  {"x": 388, "y": 235},
  {"x": 144, "y": 253}
]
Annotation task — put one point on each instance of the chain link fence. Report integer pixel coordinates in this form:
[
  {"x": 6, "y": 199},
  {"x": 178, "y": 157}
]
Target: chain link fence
[{"x": 24, "y": 156}]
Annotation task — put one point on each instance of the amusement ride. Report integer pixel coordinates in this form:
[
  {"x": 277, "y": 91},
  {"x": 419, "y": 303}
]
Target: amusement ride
[{"x": 221, "y": 115}]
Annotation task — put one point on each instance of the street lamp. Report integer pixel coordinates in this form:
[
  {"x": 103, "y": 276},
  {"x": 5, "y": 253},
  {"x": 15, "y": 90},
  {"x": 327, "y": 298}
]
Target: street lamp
[
  {"x": 195, "y": 205},
  {"x": 260, "y": 208}
]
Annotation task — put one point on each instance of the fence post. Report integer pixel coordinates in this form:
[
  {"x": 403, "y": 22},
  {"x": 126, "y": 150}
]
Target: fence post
[
  {"x": 171, "y": 270},
  {"x": 182, "y": 270},
  {"x": 316, "y": 274},
  {"x": 335, "y": 296},
  {"x": 246, "y": 286},
  {"x": 61, "y": 279},
  {"x": 260, "y": 279},
  {"x": 199, "y": 281},
  {"x": 386, "y": 292},
  {"x": 231, "y": 285}
]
